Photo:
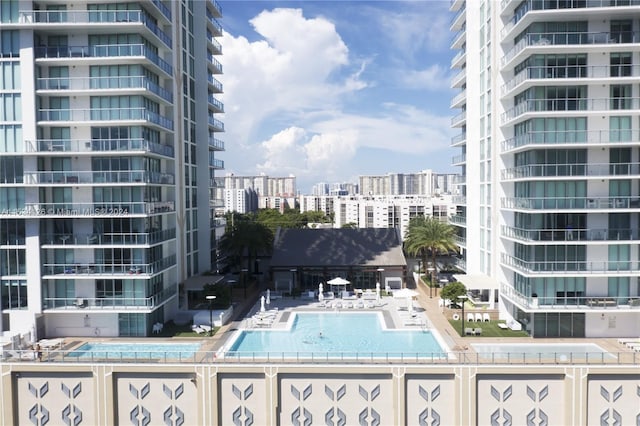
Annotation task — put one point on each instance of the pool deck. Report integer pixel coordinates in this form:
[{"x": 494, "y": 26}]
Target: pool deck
[{"x": 427, "y": 315}]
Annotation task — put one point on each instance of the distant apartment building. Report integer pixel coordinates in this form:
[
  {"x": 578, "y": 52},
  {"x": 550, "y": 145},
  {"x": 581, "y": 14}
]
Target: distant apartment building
[
  {"x": 378, "y": 211},
  {"x": 423, "y": 183},
  {"x": 240, "y": 200},
  {"x": 548, "y": 132},
  {"x": 105, "y": 161},
  {"x": 272, "y": 192}
]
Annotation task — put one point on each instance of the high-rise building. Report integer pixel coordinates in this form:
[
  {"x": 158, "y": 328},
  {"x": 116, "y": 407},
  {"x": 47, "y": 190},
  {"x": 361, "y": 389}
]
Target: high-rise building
[
  {"x": 103, "y": 153},
  {"x": 548, "y": 99}
]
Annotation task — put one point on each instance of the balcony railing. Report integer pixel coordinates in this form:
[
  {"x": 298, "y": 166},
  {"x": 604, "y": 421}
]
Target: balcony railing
[
  {"x": 96, "y": 208},
  {"x": 92, "y": 177},
  {"x": 458, "y": 98},
  {"x": 214, "y": 83},
  {"x": 570, "y": 234},
  {"x": 162, "y": 8},
  {"x": 459, "y": 118},
  {"x": 570, "y": 39},
  {"x": 219, "y": 106},
  {"x": 616, "y": 267},
  {"x": 112, "y": 303},
  {"x": 103, "y": 83},
  {"x": 134, "y": 268},
  {"x": 562, "y": 105},
  {"x": 216, "y": 144},
  {"x": 457, "y": 219},
  {"x": 109, "y": 238},
  {"x": 571, "y": 71},
  {"x": 461, "y": 137},
  {"x": 571, "y": 301},
  {"x": 97, "y": 145},
  {"x": 105, "y": 114},
  {"x": 457, "y": 79},
  {"x": 216, "y": 123},
  {"x": 214, "y": 23},
  {"x": 571, "y": 203},
  {"x": 571, "y": 170},
  {"x": 103, "y": 51},
  {"x": 216, "y": 164},
  {"x": 215, "y": 63},
  {"x": 93, "y": 17},
  {"x": 578, "y": 137}
]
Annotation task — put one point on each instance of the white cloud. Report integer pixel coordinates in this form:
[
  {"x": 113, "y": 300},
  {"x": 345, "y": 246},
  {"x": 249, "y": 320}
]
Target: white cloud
[{"x": 434, "y": 77}]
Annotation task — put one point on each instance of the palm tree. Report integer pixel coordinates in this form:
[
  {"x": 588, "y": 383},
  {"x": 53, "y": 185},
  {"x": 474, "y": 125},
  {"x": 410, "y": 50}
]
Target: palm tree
[
  {"x": 245, "y": 236},
  {"x": 429, "y": 236}
]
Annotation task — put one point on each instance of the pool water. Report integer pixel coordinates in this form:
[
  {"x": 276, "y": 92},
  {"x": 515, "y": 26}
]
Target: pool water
[
  {"x": 533, "y": 351},
  {"x": 105, "y": 350},
  {"x": 337, "y": 334}
]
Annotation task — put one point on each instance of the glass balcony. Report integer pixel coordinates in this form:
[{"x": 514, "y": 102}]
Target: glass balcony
[
  {"x": 70, "y": 270},
  {"x": 459, "y": 78},
  {"x": 458, "y": 220},
  {"x": 131, "y": 238},
  {"x": 112, "y": 303},
  {"x": 570, "y": 234},
  {"x": 461, "y": 241},
  {"x": 571, "y": 267},
  {"x": 97, "y": 209},
  {"x": 98, "y": 177},
  {"x": 570, "y": 39},
  {"x": 103, "y": 83},
  {"x": 458, "y": 139},
  {"x": 216, "y": 164},
  {"x": 459, "y": 99},
  {"x": 575, "y": 72},
  {"x": 458, "y": 60},
  {"x": 105, "y": 114},
  {"x": 571, "y": 203},
  {"x": 217, "y": 124},
  {"x": 214, "y": 64},
  {"x": 216, "y": 144},
  {"x": 97, "y": 145},
  {"x": 162, "y": 8},
  {"x": 215, "y": 84},
  {"x": 575, "y": 104},
  {"x": 572, "y": 137},
  {"x": 571, "y": 170},
  {"x": 103, "y": 51},
  {"x": 216, "y": 104},
  {"x": 459, "y": 159},
  {"x": 216, "y": 7},
  {"x": 213, "y": 24},
  {"x": 459, "y": 119}
]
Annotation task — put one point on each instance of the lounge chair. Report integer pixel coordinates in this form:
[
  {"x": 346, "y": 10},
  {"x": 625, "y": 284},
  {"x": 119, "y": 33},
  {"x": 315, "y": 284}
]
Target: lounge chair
[
  {"x": 477, "y": 331},
  {"x": 486, "y": 317},
  {"x": 197, "y": 329},
  {"x": 478, "y": 317},
  {"x": 470, "y": 317},
  {"x": 359, "y": 304},
  {"x": 468, "y": 331}
]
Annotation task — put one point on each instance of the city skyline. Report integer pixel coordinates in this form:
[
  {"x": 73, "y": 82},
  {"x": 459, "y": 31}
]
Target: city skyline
[{"x": 329, "y": 93}]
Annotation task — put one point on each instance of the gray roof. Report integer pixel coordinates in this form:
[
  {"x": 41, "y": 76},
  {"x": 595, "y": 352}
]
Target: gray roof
[{"x": 337, "y": 247}]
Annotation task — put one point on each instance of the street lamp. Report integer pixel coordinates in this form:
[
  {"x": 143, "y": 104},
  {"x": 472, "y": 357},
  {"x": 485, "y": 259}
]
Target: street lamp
[
  {"x": 244, "y": 281},
  {"x": 431, "y": 269},
  {"x": 210, "y": 298},
  {"x": 380, "y": 271},
  {"x": 462, "y": 298}
]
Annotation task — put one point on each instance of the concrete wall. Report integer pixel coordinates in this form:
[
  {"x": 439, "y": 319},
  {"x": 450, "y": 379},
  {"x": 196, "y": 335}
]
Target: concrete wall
[{"x": 269, "y": 394}]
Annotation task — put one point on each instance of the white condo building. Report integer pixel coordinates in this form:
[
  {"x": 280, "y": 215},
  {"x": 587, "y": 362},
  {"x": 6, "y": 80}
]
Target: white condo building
[
  {"x": 549, "y": 124},
  {"x": 107, "y": 134}
]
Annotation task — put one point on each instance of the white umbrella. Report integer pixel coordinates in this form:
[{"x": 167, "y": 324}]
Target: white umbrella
[
  {"x": 378, "y": 292},
  {"x": 262, "y": 304},
  {"x": 410, "y": 305},
  {"x": 338, "y": 281},
  {"x": 404, "y": 293},
  {"x": 268, "y": 301},
  {"x": 320, "y": 292}
]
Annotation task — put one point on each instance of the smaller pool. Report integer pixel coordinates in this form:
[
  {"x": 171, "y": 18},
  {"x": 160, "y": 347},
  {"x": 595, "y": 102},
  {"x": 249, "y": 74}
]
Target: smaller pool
[
  {"x": 542, "y": 351},
  {"x": 104, "y": 350}
]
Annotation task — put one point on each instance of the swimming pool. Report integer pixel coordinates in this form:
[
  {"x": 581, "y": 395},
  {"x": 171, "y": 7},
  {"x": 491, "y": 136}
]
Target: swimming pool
[
  {"x": 336, "y": 335},
  {"x": 141, "y": 351},
  {"x": 542, "y": 351}
]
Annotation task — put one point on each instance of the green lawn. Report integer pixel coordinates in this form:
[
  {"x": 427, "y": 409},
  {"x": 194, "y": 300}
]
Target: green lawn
[
  {"x": 172, "y": 330},
  {"x": 489, "y": 329}
]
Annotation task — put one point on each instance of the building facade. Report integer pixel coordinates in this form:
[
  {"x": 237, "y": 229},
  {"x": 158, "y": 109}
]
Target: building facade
[
  {"x": 101, "y": 152},
  {"x": 550, "y": 207}
]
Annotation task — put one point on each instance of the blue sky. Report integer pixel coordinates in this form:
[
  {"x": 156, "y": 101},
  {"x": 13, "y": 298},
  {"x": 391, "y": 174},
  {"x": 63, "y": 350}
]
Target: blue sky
[{"x": 329, "y": 90}]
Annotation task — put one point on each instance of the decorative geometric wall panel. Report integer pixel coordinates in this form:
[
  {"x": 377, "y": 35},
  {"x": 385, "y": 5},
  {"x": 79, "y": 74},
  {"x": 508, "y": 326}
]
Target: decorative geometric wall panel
[
  {"x": 529, "y": 400},
  {"x": 614, "y": 400},
  {"x": 430, "y": 401},
  {"x": 155, "y": 399},
  {"x": 242, "y": 399},
  {"x": 54, "y": 399},
  {"x": 336, "y": 400}
]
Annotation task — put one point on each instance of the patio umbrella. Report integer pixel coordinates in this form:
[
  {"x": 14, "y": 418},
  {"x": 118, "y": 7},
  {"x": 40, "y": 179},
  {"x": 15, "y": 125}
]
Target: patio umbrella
[
  {"x": 262, "y": 304},
  {"x": 378, "y": 292},
  {"x": 338, "y": 282},
  {"x": 410, "y": 305},
  {"x": 320, "y": 292},
  {"x": 268, "y": 301}
]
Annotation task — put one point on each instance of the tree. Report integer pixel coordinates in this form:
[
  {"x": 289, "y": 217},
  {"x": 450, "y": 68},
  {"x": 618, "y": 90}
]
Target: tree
[
  {"x": 245, "y": 236},
  {"x": 428, "y": 236},
  {"x": 452, "y": 290}
]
